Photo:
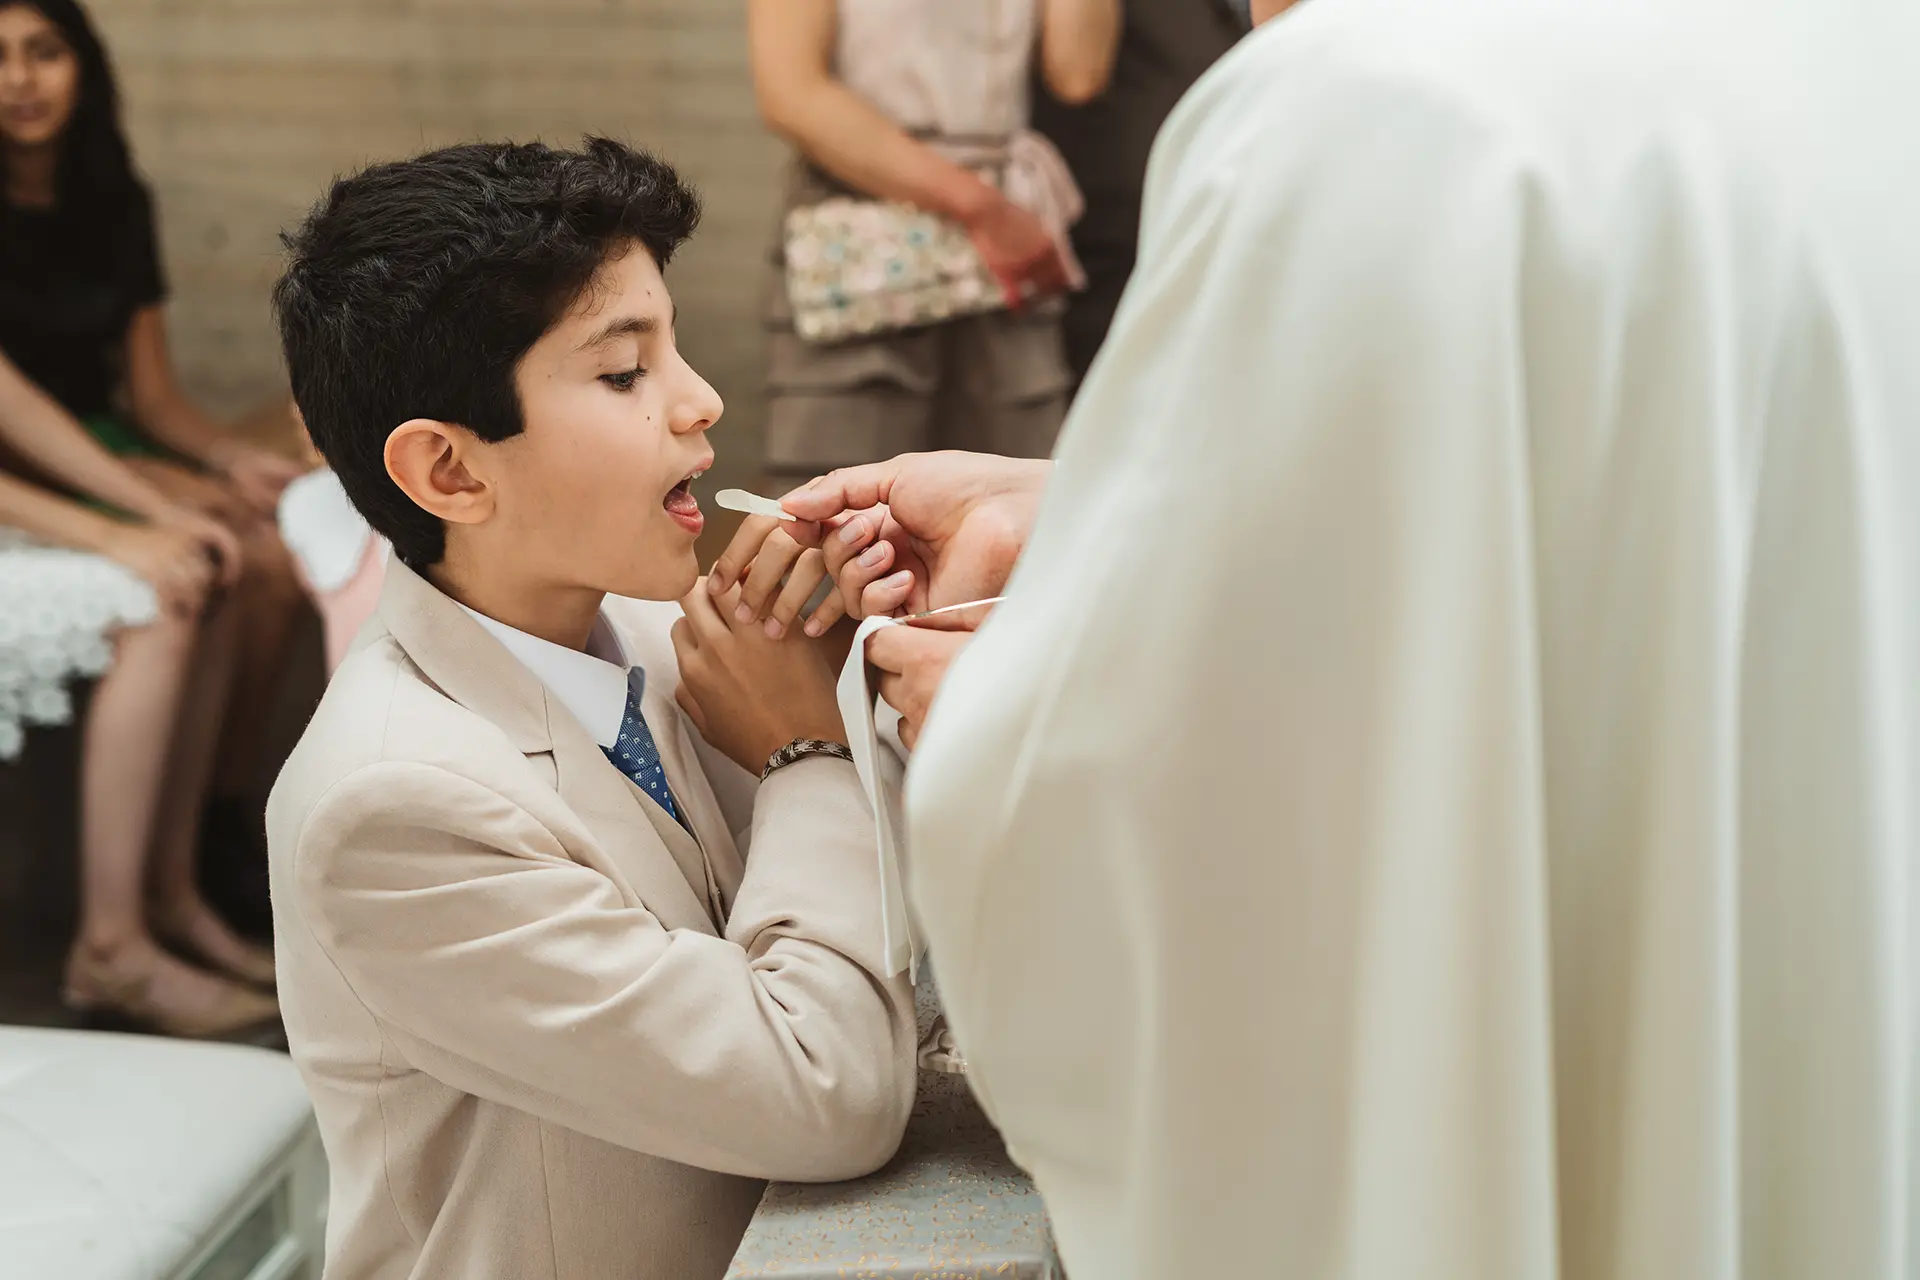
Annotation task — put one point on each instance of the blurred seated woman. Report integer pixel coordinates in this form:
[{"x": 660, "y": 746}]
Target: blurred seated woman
[
  {"x": 82, "y": 316},
  {"x": 136, "y": 602}
]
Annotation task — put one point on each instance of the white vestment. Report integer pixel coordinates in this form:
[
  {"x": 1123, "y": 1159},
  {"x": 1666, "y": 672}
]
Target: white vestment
[{"x": 1440, "y": 802}]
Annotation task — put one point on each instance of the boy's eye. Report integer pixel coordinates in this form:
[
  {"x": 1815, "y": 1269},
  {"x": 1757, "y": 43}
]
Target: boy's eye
[{"x": 622, "y": 381}]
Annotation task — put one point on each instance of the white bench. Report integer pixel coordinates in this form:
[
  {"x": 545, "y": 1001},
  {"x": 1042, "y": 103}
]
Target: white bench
[{"x": 139, "y": 1158}]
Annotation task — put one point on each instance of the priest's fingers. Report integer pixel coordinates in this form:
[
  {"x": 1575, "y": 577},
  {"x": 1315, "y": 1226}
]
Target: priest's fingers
[
  {"x": 848, "y": 489},
  {"x": 852, "y": 534},
  {"x": 889, "y": 595},
  {"x": 854, "y": 576},
  {"x": 913, "y": 663},
  {"x": 740, "y": 552},
  {"x": 897, "y": 693},
  {"x": 894, "y": 651}
]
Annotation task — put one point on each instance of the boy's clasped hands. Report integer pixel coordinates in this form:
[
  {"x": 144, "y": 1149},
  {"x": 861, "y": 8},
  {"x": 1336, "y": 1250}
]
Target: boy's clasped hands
[{"x": 918, "y": 532}]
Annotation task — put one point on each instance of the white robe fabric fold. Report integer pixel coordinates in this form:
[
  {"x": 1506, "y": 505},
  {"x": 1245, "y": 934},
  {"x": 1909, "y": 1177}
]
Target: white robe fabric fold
[{"x": 1440, "y": 798}]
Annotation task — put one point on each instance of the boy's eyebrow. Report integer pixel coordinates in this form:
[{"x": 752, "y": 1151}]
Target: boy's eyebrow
[{"x": 626, "y": 327}]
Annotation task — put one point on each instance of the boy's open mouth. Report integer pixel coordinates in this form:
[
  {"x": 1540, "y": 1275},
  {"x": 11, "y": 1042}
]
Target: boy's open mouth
[{"x": 683, "y": 506}]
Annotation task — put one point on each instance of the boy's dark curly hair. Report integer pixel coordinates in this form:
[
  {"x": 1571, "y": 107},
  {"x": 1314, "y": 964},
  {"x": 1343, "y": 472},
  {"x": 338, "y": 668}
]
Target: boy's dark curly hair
[{"x": 414, "y": 289}]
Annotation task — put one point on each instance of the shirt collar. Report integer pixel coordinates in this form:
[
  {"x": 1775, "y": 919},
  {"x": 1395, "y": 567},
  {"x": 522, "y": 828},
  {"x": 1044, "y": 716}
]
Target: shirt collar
[{"x": 592, "y": 686}]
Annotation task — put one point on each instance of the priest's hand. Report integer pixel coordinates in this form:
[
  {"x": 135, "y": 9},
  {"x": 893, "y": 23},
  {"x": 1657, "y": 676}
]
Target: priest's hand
[
  {"x": 922, "y": 530},
  {"x": 913, "y": 661}
]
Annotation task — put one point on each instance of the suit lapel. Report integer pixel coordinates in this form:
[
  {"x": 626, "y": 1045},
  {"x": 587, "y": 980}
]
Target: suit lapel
[
  {"x": 633, "y": 828},
  {"x": 462, "y": 660},
  {"x": 458, "y": 656},
  {"x": 693, "y": 794}
]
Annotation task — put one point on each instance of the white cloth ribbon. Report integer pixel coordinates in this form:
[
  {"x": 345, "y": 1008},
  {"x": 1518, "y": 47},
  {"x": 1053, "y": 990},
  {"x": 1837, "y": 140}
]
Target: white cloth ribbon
[{"x": 882, "y": 775}]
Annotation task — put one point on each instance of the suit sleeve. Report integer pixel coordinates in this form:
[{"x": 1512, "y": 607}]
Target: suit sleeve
[{"x": 499, "y": 965}]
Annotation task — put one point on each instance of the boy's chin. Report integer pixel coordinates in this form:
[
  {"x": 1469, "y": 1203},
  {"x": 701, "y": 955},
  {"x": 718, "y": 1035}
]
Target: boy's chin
[{"x": 669, "y": 577}]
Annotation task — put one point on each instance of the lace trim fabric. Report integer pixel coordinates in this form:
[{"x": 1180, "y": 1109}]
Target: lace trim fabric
[{"x": 59, "y": 612}]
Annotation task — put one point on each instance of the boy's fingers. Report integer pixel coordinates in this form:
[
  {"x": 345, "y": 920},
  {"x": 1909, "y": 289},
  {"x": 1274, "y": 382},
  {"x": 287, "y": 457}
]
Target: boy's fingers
[
  {"x": 703, "y": 611},
  {"x": 808, "y": 572},
  {"x": 831, "y": 610},
  {"x": 740, "y": 552},
  {"x": 776, "y": 557},
  {"x": 687, "y": 703}
]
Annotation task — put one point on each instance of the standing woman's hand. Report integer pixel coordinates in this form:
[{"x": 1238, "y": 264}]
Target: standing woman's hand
[
  {"x": 792, "y": 49},
  {"x": 1019, "y": 250}
]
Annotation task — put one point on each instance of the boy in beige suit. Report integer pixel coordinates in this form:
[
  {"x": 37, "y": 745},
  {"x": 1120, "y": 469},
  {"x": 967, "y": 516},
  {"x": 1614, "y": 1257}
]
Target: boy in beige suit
[{"x": 564, "y": 981}]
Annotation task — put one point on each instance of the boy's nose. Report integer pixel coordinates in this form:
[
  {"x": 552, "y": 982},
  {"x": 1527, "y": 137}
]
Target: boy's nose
[{"x": 700, "y": 409}]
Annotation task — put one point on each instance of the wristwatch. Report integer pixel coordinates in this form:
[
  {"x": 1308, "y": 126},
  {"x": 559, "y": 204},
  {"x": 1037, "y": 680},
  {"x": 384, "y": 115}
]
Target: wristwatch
[{"x": 799, "y": 749}]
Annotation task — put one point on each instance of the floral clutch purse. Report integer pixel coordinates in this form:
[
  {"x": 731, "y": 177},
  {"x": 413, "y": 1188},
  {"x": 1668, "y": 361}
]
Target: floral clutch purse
[{"x": 856, "y": 268}]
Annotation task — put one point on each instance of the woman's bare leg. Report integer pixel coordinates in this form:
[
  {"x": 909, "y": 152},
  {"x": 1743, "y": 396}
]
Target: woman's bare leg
[
  {"x": 179, "y": 911},
  {"x": 270, "y": 600},
  {"x": 116, "y": 964},
  {"x": 123, "y": 764}
]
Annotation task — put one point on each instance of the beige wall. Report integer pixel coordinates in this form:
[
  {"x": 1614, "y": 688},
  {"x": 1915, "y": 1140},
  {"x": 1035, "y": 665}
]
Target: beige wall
[{"x": 241, "y": 110}]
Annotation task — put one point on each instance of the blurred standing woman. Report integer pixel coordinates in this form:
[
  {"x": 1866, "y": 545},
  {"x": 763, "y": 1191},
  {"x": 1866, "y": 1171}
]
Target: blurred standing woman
[
  {"x": 921, "y": 103},
  {"x": 82, "y": 316}
]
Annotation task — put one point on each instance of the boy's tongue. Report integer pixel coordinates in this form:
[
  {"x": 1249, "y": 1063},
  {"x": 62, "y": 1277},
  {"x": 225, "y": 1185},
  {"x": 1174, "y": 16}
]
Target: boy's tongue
[{"x": 680, "y": 500}]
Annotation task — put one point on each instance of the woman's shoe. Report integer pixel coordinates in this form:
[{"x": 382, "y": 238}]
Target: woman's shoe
[
  {"x": 156, "y": 992},
  {"x": 201, "y": 934}
]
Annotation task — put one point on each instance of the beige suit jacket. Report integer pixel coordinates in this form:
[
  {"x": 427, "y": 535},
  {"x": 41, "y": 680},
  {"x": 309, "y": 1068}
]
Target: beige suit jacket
[{"x": 535, "y": 1048}]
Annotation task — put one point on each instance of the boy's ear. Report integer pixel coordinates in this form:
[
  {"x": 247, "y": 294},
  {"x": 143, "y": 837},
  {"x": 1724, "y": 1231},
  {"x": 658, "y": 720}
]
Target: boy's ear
[{"x": 428, "y": 460}]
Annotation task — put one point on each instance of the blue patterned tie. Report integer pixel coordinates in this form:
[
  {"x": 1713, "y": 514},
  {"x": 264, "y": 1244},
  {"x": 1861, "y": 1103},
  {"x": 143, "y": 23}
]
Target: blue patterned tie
[{"x": 633, "y": 752}]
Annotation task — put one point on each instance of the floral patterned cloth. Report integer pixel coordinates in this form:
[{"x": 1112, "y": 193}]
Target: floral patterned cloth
[
  {"x": 59, "y": 611},
  {"x": 859, "y": 267}
]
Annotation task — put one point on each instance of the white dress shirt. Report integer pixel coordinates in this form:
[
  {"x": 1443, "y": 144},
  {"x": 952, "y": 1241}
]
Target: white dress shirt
[{"x": 592, "y": 685}]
